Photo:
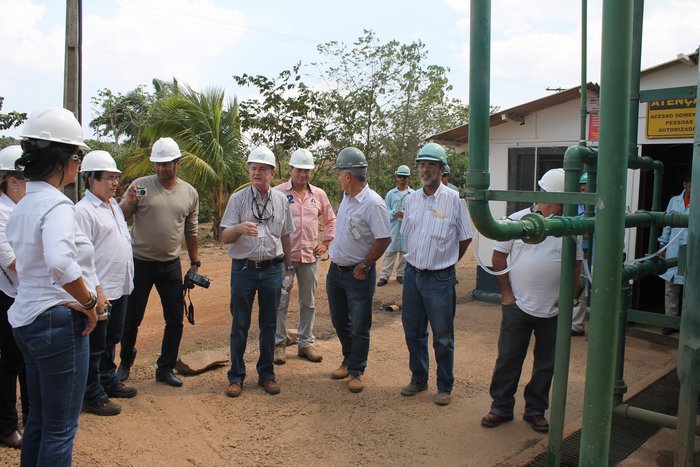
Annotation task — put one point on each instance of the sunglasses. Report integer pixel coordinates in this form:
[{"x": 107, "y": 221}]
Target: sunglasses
[{"x": 402, "y": 176}]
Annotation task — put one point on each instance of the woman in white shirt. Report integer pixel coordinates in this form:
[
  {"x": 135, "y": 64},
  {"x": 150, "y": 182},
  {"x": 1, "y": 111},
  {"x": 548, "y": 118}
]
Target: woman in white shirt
[
  {"x": 56, "y": 305},
  {"x": 12, "y": 188}
]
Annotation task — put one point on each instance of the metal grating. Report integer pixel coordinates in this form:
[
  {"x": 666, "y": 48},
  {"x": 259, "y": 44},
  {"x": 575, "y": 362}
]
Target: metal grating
[
  {"x": 627, "y": 435},
  {"x": 669, "y": 341}
]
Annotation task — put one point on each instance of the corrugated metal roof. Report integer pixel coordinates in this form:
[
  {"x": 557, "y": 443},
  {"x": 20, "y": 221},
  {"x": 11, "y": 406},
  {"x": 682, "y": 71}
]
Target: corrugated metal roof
[{"x": 459, "y": 135}]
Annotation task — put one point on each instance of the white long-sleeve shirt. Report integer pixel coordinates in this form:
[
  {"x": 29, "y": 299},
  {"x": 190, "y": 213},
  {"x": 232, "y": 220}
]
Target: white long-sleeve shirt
[
  {"x": 105, "y": 226},
  {"x": 51, "y": 251},
  {"x": 8, "y": 277}
]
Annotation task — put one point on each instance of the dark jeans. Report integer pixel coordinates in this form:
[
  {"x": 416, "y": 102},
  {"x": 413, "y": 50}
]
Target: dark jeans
[
  {"x": 167, "y": 277},
  {"x": 11, "y": 369},
  {"x": 56, "y": 357},
  {"x": 513, "y": 341},
  {"x": 102, "y": 372},
  {"x": 350, "y": 304},
  {"x": 429, "y": 297},
  {"x": 245, "y": 282}
]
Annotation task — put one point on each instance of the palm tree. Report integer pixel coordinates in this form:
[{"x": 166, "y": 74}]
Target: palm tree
[{"x": 207, "y": 129}]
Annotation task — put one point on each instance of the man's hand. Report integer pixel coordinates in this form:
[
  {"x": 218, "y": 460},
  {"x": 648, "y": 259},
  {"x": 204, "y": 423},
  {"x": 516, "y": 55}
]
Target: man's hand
[
  {"x": 247, "y": 228},
  {"x": 399, "y": 215},
  {"x": 320, "y": 250}
]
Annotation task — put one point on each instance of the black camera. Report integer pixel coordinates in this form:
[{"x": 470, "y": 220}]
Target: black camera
[{"x": 193, "y": 279}]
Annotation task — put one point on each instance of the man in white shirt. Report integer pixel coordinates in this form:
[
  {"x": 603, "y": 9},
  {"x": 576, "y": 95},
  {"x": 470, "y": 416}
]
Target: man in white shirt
[
  {"x": 530, "y": 304},
  {"x": 395, "y": 200},
  {"x": 362, "y": 234},
  {"x": 255, "y": 227},
  {"x": 102, "y": 220},
  {"x": 438, "y": 229}
]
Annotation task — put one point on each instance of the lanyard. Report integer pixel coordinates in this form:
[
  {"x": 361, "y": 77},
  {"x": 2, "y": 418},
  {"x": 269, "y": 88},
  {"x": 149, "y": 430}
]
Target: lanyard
[{"x": 256, "y": 206}]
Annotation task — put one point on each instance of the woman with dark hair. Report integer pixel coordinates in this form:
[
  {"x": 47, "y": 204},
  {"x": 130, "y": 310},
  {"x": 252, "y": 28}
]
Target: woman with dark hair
[
  {"x": 12, "y": 188},
  {"x": 56, "y": 305}
]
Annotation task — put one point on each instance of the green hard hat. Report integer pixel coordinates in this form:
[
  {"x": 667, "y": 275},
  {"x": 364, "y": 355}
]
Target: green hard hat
[
  {"x": 432, "y": 152},
  {"x": 350, "y": 158},
  {"x": 403, "y": 170},
  {"x": 447, "y": 170},
  {"x": 583, "y": 179}
]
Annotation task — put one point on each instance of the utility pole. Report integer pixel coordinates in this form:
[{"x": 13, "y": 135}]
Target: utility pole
[{"x": 72, "y": 78}]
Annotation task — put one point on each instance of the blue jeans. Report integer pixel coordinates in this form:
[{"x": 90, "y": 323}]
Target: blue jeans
[
  {"x": 429, "y": 297},
  {"x": 11, "y": 370},
  {"x": 102, "y": 372},
  {"x": 245, "y": 282},
  {"x": 56, "y": 358},
  {"x": 350, "y": 304},
  {"x": 513, "y": 341},
  {"x": 167, "y": 277}
]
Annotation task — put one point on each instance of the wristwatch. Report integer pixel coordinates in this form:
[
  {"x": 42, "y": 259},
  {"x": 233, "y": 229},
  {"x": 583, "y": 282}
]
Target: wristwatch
[
  {"x": 197, "y": 263},
  {"x": 365, "y": 267},
  {"x": 289, "y": 268}
]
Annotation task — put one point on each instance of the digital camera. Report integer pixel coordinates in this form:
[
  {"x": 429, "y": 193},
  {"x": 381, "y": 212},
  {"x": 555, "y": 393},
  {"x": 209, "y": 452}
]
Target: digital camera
[
  {"x": 193, "y": 279},
  {"x": 140, "y": 191}
]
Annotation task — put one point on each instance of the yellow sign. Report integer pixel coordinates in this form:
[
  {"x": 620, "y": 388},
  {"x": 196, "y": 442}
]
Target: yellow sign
[{"x": 671, "y": 118}]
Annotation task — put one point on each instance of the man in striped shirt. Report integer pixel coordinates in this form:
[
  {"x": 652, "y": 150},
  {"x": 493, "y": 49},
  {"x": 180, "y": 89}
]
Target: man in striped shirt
[{"x": 438, "y": 230}]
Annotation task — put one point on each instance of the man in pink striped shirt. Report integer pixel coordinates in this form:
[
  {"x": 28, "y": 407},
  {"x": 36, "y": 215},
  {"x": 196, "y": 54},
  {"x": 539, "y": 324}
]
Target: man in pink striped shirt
[{"x": 308, "y": 204}]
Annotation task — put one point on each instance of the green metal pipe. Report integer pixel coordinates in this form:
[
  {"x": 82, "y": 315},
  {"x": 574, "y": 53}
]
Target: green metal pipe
[
  {"x": 688, "y": 368},
  {"x": 637, "y": 26},
  {"x": 609, "y": 227},
  {"x": 584, "y": 66},
  {"x": 620, "y": 387},
  {"x": 648, "y": 416},
  {"x": 650, "y": 267},
  {"x": 654, "y": 319},
  {"x": 563, "y": 344},
  {"x": 656, "y": 205}
]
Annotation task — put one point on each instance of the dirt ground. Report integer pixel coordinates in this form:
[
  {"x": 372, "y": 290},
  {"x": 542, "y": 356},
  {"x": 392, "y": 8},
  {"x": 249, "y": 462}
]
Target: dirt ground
[{"x": 315, "y": 420}]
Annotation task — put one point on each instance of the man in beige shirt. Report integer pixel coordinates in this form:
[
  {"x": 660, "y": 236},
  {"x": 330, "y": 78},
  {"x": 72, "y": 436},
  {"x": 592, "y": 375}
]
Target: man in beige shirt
[{"x": 163, "y": 207}]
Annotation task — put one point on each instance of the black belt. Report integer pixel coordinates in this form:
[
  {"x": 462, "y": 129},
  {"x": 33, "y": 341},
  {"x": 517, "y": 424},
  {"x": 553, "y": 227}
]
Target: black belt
[
  {"x": 431, "y": 270},
  {"x": 259, "y": 264},
  {"x": 344, "y": 268}
]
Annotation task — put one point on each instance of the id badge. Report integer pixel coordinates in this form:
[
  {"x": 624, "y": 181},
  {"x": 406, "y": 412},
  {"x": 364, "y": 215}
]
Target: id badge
[
  {"x": 439, "y": 213},
  {"x": 261, "y": 231},
  {"x": 355, "y": 233}
]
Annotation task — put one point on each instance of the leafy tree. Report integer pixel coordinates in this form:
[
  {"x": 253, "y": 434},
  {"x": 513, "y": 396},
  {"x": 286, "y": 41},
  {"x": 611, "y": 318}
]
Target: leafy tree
[
  {"x": 122, "y": 117},
  {"x": 207, "y": 129},
  {"x": 10, "y": 119},
  {"x": 289, "y": 114}
]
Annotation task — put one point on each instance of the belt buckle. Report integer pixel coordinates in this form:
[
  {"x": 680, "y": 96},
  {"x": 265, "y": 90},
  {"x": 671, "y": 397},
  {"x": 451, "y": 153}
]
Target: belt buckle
[{"x": 258, "y": 265}]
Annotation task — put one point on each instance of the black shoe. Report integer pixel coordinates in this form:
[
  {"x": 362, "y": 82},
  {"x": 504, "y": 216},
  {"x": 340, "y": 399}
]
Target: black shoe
[
  {"x": 399, "y": 280},
  {"x": 121, "y": 392},
  {"x": 668, "y": 331},
  {"x": 577, "y": 333},
  {"x": 103, "y": 407},
  {"x": 169, "y": 378},
  {"x": 382, "y": 282}
]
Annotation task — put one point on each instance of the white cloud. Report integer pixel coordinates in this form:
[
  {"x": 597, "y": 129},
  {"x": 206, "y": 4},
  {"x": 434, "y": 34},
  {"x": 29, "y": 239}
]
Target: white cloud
[{"x": 161, "y": 38}]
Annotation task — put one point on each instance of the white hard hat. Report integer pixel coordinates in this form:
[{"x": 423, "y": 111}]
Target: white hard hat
[
  {"x": 99, "y": 161},
  {"x": 262, "y": 155},
  {"x": 54, "y": 124},
  {"x": 302, "y": 159},
  {"x": 165, "y": 150},
  {"x": 9, "y": 156},
  {"x": 552, "y": 181}
]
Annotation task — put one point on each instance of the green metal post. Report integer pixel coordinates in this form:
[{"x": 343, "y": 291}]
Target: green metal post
[
  {"x": 620, "y": 386},
  {"x": 609, "y": 228},
  {"x": 584, "y": 79},
  {"x": 637, "y": 26},
  {"x": 563, "y": 345},
  {"x": 690, "y": 319}
]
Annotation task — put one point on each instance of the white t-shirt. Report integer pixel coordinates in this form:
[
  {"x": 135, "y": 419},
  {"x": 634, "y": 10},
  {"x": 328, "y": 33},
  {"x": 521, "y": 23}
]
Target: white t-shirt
[{"x": 536, "y": 273}]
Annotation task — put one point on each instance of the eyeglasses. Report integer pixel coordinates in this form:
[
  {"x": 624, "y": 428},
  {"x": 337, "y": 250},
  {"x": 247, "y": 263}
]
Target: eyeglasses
[
  {"x": 78, "y": 156},
  {"x": 112, "y": 178}
]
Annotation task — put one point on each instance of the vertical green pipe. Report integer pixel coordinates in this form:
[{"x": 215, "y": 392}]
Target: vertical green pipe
[
  {"x": 656, "y": 204},
  {"x": 609, "y": 228},
  {"x": 690, "y": 318},
  {"x": 479, "y": 90},
  {"x": 637, "y": 23},
  {"x": 584, "y": 67},
  {"x": 620, "y": 386},
  {"x": 563, "y": 344}
]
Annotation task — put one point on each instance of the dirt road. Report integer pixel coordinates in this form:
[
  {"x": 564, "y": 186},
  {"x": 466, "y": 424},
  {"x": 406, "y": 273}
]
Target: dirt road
[{"x": 315, "y": 420}]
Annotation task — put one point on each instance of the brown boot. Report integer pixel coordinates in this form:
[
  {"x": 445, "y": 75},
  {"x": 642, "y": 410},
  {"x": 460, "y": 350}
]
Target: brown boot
[
  {"x": 280, "y": 354},
  {"x": 355, "y": 384},
  {"x": 340, "y": 373},
  {"x": 309, "y": 353}
]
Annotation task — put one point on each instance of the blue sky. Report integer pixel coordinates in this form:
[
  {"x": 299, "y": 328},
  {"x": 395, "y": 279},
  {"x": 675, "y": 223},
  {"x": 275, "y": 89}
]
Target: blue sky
[{"x": 536, "y": 44}]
